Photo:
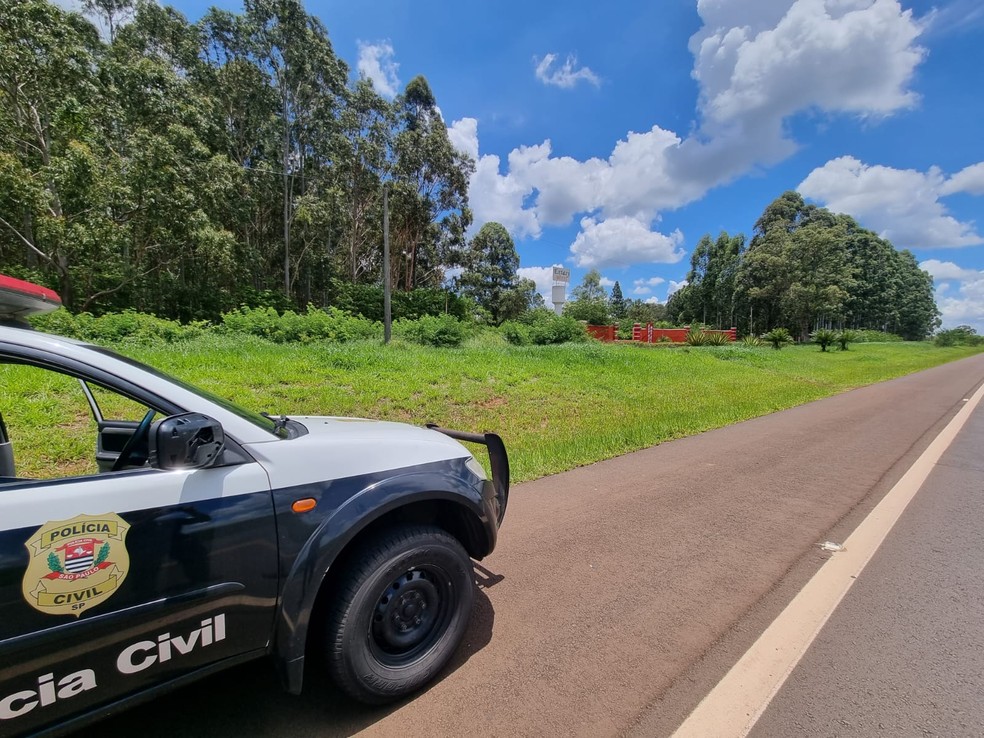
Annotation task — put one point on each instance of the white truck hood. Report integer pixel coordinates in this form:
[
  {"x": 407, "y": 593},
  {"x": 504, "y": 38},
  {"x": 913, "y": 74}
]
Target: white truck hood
[{"x": 335, "y": 448}]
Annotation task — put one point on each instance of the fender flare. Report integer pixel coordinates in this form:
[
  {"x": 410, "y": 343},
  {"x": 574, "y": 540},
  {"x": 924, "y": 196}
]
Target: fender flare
[{"x": 314, "y": 561}]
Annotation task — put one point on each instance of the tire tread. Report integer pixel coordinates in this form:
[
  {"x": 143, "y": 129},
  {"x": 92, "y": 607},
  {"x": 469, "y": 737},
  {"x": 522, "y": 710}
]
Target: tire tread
[{"x": 365, "y": 561}]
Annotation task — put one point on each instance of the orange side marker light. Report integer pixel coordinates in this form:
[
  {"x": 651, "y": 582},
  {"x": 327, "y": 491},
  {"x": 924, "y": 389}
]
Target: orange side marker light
[{"x": 304, "y": 505}]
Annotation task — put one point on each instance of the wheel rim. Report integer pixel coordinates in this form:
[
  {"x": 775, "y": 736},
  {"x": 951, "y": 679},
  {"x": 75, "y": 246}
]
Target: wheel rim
[{"x": 411, "y": 615}]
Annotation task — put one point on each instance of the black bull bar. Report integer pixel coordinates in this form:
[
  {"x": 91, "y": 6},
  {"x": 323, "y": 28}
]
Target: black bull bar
[{"x": 498, "y": 459}]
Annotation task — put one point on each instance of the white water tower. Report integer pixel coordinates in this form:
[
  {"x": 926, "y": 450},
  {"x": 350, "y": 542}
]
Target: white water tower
[{"x": 561, "y": 277}]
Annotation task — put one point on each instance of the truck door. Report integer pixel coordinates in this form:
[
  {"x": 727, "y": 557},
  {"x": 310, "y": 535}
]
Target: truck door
[{"x": 114, "y": 582}]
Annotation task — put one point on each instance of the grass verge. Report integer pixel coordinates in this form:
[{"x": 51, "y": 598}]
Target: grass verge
[{"x": 557, "y": 407}]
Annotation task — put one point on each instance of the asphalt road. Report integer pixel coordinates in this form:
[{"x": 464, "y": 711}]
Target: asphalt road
[
  {"x": 903, "y": 654},
  {"x": 620, "y": 592}
]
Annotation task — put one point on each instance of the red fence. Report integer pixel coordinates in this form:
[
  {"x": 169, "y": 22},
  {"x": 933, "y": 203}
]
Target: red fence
[
  {"x": 606, "y": 333},
  {"x": 648, "y": 334}
]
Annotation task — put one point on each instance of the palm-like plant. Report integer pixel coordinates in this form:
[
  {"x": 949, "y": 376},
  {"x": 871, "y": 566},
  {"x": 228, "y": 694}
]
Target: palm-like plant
[
  {"x": 696, "y": 337},
  {"x": 778, "y": 337},
  {"x": 823, "y": 338},
  {"x": 845, "y": 337}
]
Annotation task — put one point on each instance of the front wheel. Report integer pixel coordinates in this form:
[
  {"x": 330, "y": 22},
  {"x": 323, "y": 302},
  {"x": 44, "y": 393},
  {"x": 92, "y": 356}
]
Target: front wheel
[{"x": 399, "y": 613}]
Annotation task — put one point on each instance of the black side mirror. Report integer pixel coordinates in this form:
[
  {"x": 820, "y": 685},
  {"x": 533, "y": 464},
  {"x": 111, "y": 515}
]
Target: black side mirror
[{"x": 186, "y": 441}]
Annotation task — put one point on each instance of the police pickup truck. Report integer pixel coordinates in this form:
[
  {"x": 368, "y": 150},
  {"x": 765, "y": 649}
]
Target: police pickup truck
[{"x": 172, "y": 534}]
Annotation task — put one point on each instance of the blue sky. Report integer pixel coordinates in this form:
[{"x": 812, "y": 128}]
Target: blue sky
[{"x": 614, "y": 135}]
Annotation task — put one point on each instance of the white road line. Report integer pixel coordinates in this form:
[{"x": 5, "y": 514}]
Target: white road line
[{"x": 739, "y": 699}]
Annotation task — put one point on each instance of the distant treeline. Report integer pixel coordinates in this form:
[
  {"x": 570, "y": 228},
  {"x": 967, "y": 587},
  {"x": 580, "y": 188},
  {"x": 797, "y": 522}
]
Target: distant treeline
[
  {"x": 185, "y": 168},
  {"x": 806, "y": 269}
]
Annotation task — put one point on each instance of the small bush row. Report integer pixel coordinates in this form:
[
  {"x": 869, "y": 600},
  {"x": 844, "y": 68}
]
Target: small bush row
[
  {"x": 315, "y": 324},
  {"x": 962, "y": 335},
  {"x": 869, "y": 336},
  {"x": 116, "y": 327},
  {"x": 542, "y": 327},
  {"x": 331, "y": 324},
  {"x": 536, "y": 328},
  {"x": 434, "y": 330}
]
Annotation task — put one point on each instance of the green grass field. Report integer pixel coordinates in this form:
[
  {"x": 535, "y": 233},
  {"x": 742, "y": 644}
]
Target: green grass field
[{"x": 557, "y": 407}]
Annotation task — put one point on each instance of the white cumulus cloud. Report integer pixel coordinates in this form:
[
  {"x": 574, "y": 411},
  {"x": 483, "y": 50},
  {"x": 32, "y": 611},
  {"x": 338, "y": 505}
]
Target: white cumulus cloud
[
  {"x": 759, "y": 63},
  {"x": 901, "y": 204},
  {"x": 539, "y": 189},
  {"x": 756, "y": 64},
  {"x": 619, "y": 242},
  {"x": 463, "y": 135},
  {"x": 852, "y": 56},
  {"x": 567, "y": 75},
  {"x": 965, "y": 306},
  {"x": 969, "y": 180},
  {"x": 542, "y": 276},
  {"x": 675, "y": 287},
  {"x": 948, "y": 270},
  {"x": 376, "y": 62},
  {"x": 959, "y": 293},
  {"x": 645, "y": 286},
  {"x": 494, "y": 197}
]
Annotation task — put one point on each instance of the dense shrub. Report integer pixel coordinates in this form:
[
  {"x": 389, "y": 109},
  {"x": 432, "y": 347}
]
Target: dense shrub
[
  {"x": 516, "y": 333},
  {"x": 592, "y": 312},
  {"x": 557, "y": 329},
  {"x": 753, "y": 341},
  {"x": 433, "y": 330},
  {"x": 115, "y": 327},
  {"x": 869, "y": 336},
  {"x": 367, "y": 301},
  {"x": 962, "y": 335},
  {"x": 625, "y": 329},
  {"x": 542, "y": 327},
  {"x": 330, "y": 325}
]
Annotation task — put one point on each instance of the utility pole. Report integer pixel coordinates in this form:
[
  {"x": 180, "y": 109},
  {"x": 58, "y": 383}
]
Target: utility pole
[{"x": 387, "y": 311}]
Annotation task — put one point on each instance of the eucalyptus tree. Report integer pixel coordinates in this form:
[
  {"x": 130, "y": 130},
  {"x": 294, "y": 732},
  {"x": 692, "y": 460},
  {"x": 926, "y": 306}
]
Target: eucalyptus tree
[
  {"x": 709, "y": 295},
  {"x": 809, "y": 268},
  {"x": 797, "y": 270},
  {"x": 114, "y": 13},
  {"x": 55, "y": 177},
  {"x": 762, "y": 279},
  {"x": 430, "y": 187},
  {"x": 174, "y": 192},
  {"x": 306, "y": 84},
  {"x": 821, "y": 279},
  {"x": 917, "y": 315},
  {"x": 364, "y": 161}
]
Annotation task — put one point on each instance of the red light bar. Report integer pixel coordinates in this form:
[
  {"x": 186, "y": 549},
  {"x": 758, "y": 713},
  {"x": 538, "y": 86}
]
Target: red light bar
[{"x": 18, "y": 298}]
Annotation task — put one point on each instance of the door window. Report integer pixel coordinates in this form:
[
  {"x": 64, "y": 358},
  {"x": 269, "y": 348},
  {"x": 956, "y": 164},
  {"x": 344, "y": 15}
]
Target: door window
[{"x": 57, "y": 426}]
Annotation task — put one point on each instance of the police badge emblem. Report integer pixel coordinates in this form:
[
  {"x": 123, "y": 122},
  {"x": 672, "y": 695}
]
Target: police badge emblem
[{"x": 76, "y": 564}]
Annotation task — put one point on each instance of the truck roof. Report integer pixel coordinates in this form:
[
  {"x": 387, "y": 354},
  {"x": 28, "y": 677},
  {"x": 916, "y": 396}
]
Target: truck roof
[{"x": 18, "y": 298}]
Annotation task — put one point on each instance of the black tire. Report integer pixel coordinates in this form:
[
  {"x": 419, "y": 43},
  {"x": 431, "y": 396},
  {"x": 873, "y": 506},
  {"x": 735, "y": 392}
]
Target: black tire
[{"x": 399, "y": 613}]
